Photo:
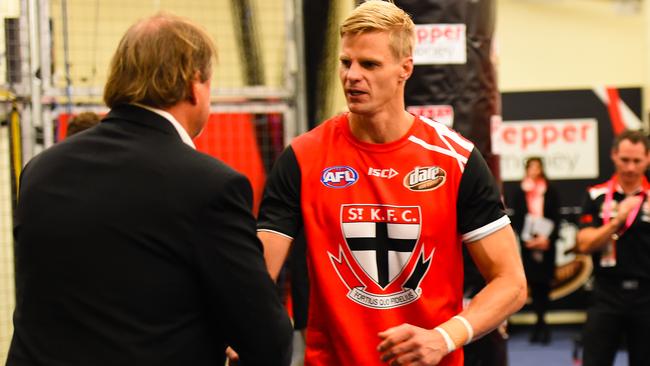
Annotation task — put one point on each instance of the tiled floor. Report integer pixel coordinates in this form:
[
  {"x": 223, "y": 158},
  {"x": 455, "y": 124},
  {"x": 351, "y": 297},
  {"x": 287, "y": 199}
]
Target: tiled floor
[
  {"x": 558, "y": 353},
  {"x": 522, "y": 353}
]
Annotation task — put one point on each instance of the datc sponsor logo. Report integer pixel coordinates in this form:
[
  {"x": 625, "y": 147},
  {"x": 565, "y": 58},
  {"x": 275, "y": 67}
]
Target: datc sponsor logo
[
  {"x": 339, "y": 176},
  {"x": 425, "y": 178}
]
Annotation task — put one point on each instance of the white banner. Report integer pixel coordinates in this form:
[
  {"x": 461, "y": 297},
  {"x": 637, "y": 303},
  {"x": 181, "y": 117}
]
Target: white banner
[
  {"x": 437, "y": 44},
  {"x": 569, "y": 147}
]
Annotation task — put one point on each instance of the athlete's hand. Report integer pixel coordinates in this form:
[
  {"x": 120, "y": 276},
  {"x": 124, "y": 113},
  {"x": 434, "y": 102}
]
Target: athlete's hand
[{"x": 408, "y": 345}]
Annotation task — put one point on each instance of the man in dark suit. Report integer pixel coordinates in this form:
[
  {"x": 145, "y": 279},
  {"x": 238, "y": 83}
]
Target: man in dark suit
[{"x": 132, "y": 248}]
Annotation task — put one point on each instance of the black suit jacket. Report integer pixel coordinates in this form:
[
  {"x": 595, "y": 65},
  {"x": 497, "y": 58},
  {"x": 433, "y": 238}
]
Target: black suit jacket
[
  {"x": 132, "y": 248},
  {"x": 537, "y": 271}
]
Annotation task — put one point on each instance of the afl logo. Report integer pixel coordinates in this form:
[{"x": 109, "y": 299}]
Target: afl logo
[
  {"x": 339, "y": 176},
  {"x": 423, "y": 179}
]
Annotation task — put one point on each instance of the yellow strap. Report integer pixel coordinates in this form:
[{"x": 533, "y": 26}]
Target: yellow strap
[{"x": 16, "y": 143}]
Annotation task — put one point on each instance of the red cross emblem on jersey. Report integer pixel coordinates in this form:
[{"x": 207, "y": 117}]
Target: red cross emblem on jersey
[{"x": 383, "y": 261}]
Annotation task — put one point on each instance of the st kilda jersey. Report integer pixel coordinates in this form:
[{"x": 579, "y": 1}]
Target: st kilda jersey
[
  {"x": 384, "y": 225},
  {"x": 632, "y": 249}
]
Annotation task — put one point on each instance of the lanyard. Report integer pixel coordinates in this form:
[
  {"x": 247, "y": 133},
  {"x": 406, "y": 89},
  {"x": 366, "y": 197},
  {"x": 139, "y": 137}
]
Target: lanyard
[
  {"x": 609, "y": 197},
  {"x": 608, "y": 257}
]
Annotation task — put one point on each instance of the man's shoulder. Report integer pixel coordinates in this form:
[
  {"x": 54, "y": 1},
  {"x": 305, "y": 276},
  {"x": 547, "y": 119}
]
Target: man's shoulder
[
  {"x": 188, "y": 169},
  {"x": 432, "y": 133},
  {"x": 317, "y": 134},
  {"x": 55, "y": 152},
  {"x": 597, "y": 190},
  {"x": 198, "y": 162}
]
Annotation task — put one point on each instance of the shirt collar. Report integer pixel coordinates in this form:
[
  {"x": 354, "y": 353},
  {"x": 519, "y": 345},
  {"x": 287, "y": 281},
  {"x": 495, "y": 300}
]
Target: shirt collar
[
  {"x": 644, "y": 186},
  {"x": 168, "y": 116}
]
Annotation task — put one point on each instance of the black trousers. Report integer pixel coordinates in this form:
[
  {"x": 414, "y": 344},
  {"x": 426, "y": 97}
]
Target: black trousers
[
  {"x": 621, "y": 308},
  {"x": 540, "y": 295}
]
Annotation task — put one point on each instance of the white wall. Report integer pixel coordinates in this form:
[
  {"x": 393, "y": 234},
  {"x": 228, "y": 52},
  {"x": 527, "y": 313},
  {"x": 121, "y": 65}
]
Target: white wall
[{"x": 568, "y": 44}]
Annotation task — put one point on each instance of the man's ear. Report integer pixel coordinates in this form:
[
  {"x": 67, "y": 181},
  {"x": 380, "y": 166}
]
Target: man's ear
[
  {"x": 191, "y": 92},
  {"x": 407, "y": 67},
  {"x": 194, "y": 84}
]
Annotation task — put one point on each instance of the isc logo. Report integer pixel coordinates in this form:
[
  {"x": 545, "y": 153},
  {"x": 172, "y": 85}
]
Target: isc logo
[
  {"x": 382, "y": 173},
  {"x": 339, "y": 176}
]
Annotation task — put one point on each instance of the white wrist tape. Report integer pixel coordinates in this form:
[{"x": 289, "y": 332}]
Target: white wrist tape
[
  {"x": 450, "y": 344},
  {"x": 468, "y": 326}
]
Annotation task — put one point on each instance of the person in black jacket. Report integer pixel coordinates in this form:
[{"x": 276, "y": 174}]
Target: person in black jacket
[
  {"x": 615, "y": 230},
  {"x": 132, "y": 248},
  {"x": 536, "y": 198}
]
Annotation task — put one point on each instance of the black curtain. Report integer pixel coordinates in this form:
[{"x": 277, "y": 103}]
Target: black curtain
[{"x": 469, "y": 88}]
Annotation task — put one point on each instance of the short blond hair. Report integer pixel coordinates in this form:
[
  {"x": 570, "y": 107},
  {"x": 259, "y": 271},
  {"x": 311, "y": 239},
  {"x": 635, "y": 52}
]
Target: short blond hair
[
  {"x": 156, "y": 61},
  {"x": 383, "y": 16}
]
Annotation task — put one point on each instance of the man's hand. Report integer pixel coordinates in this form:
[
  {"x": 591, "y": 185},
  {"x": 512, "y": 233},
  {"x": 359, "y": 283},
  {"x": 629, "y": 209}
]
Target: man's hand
[
  {"x": 538, "y": 243},
  {"x": 233, "y": 357},
  {"x": 410, "y": 345},
  {"x": 625, "y": 207},
  {"x": 591, "y": 239}
]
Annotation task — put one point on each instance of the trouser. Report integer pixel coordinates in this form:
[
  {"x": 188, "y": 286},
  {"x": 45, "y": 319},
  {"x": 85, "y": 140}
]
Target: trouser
[
  {"x": 540, "y": 295},
  {"x": 621, "y": 308}
]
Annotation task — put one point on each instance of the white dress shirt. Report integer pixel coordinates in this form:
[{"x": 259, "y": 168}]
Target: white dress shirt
[{"x": 168, "y": 116}]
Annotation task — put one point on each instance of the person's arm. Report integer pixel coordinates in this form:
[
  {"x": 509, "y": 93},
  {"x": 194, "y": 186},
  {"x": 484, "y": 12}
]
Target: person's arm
[
  {"x": 242, "y": 298},
  {"x": 492, "y": 245},
  {"x": 591, "y": 239},
  {"x": 491, "y": 242},
  {"x": 276, "y": 249},
  {"x": 552, "y": 211},
  {"x": 280, "y": 215},
  {"x": 497, "y": 259}
]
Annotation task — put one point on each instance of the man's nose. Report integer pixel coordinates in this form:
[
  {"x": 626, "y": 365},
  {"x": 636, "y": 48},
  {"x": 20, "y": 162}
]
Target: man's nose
[
  {"x": 630, "y": 165},
  {"x": 354, "y": 72}
]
